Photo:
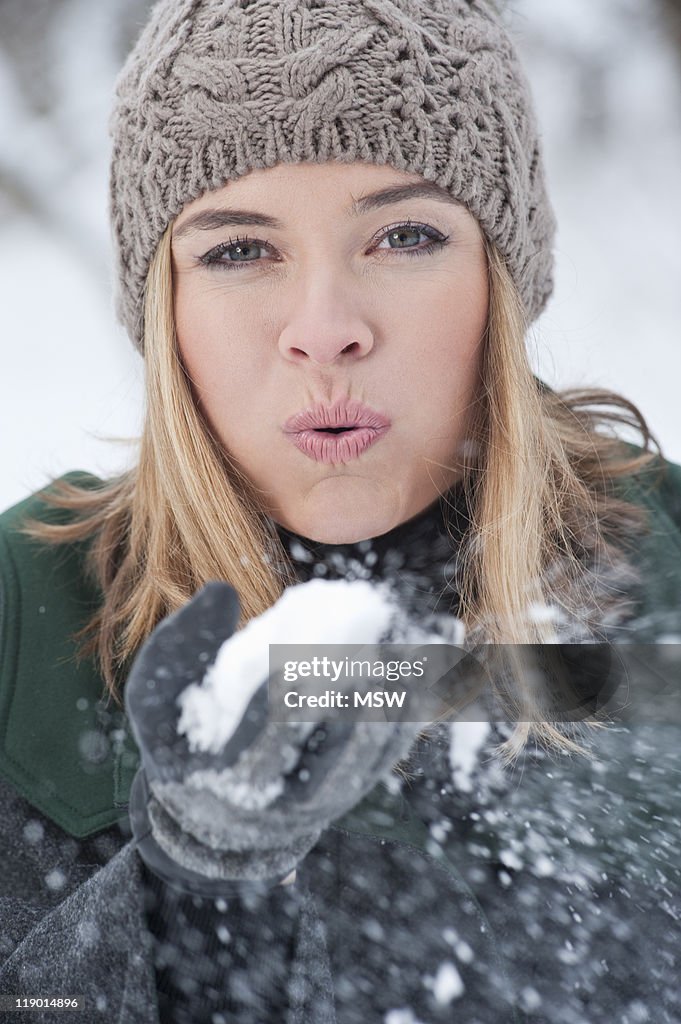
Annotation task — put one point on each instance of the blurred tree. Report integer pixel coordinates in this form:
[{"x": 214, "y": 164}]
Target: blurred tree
[
  {"x": 672, "y": 12},
  {"x": 58, "y": 60},
  {"x": 32, "y": 38}
]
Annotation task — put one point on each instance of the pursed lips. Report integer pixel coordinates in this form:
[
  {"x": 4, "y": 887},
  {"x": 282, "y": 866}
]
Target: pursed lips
[{"x": 336, "y": 433}]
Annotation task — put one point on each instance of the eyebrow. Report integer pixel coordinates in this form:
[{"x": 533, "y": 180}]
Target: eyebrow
[{"x": 208, "y": 220}]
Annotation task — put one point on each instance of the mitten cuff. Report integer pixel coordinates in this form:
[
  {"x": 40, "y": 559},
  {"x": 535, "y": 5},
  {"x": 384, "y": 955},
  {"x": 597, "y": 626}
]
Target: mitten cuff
[{"x": 187, "y": 866}]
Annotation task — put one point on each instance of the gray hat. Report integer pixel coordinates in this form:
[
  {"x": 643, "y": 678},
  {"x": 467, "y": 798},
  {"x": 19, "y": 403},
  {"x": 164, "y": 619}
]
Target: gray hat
[{"x": 216, "y": 88}]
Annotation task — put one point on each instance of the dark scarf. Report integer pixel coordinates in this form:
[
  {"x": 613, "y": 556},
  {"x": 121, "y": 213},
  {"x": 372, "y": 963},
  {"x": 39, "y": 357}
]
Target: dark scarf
[{"x": 419, "y": 557}]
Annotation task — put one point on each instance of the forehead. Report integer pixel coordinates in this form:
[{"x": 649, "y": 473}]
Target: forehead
[{"x": 353, "y": 189}]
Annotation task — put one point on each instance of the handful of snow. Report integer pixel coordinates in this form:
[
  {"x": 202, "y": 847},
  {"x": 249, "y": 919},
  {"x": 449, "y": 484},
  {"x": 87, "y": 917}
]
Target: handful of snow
[{"x": 317, "y": 612}]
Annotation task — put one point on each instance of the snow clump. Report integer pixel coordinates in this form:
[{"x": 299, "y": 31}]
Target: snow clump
[{"x": 316, "y": 612}]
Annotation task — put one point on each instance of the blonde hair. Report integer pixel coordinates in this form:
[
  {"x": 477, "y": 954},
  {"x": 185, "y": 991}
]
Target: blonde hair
[{"x": 537, "y": 478}]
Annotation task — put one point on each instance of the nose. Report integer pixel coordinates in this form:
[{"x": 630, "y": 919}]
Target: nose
[
  {"x": 324, "y": 349},
  {"x": 325, "y": 336}
]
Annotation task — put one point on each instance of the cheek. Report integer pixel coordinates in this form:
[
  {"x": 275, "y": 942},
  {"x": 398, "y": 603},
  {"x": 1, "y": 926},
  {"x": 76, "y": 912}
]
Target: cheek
[
  {"x": 439, "y": 377},
  {"x": 460, "y": 322},
  {"x": 443, "y": 332},
  {"x": 217, "y": 342}
]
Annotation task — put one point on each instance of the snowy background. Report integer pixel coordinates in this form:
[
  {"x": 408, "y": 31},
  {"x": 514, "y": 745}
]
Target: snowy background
[{"x": 607, "y": 83}]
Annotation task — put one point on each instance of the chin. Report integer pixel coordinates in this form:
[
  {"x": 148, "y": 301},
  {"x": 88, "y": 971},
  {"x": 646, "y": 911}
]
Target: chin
[
  {"x": 344, "y": 509},
  {"x": 343, "y": 532}
]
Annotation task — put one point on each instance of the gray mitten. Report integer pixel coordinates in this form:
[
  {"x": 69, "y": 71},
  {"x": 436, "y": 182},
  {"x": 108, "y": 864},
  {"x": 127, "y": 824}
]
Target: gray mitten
[{"x": 248, "y": 814}]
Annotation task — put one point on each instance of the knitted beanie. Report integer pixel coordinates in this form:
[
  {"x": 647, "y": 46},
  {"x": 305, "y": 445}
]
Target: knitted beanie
[{"x": 216, "y": 88}]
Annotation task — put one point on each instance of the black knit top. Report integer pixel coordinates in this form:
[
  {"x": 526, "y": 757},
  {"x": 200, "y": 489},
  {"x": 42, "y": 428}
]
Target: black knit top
[{"x": 226, "y": 960}]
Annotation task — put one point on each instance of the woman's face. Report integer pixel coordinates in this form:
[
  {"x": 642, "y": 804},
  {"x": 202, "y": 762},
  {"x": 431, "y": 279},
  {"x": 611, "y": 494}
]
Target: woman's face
[{"x": 299, "y": 288}]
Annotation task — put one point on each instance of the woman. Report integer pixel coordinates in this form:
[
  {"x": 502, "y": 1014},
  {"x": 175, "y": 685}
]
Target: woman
[{"x": 321, "y": 403}]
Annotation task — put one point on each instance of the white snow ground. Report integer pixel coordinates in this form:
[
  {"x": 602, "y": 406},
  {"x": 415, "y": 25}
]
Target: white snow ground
[{"x": 608, "y": 92}]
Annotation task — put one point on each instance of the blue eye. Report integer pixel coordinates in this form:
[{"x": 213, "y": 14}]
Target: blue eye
[
  {"x": 241, "y": 246},
  {"x": 436, "y": 239},
  {"x": 244, "y": 248}
]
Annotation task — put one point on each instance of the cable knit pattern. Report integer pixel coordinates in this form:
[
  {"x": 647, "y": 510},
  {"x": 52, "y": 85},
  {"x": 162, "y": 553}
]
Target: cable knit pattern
[{"x": 216, "y": 88}]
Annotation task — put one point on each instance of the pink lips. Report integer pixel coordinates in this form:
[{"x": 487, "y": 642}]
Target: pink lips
[{"x": 309, "y": 430}]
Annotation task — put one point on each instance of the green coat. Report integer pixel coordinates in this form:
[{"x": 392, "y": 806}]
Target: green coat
[{"x": 67, "y": 753}]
